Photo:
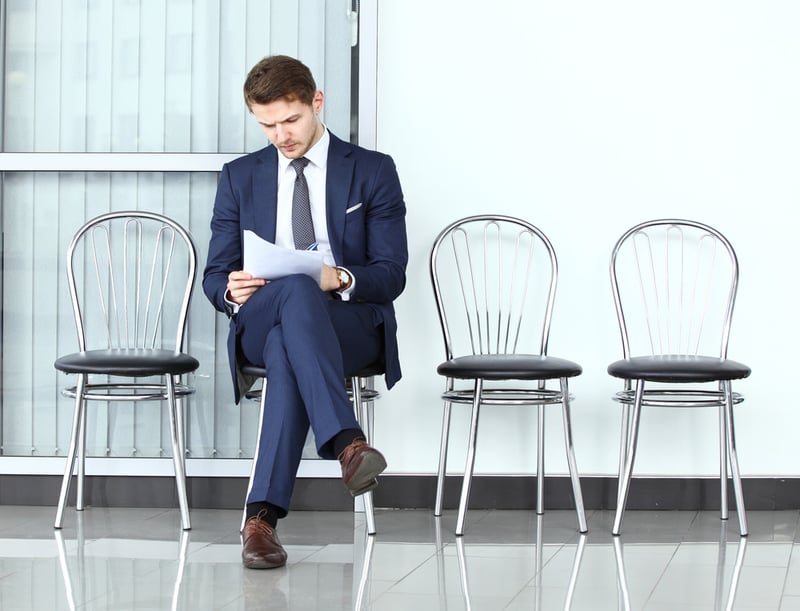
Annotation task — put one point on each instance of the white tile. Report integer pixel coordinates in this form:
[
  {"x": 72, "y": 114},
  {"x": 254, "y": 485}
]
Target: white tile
[{"x": 131, "y": 559}]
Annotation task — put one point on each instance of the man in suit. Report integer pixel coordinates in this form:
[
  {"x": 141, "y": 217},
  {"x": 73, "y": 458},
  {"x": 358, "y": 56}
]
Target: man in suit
[{"x": 309, "y": 333}]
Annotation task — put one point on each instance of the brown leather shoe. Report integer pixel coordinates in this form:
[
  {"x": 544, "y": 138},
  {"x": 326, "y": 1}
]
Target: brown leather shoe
[
  {"x": 261, "y": 548},
  {"x": 361, "y": 465}
]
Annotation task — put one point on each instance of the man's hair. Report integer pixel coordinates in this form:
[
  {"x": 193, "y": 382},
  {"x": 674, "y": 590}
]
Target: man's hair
[{"x": 279, "y": 77}]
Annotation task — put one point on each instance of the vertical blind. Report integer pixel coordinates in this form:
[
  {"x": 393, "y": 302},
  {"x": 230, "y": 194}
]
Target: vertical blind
[{"x": 146, "y": 77}]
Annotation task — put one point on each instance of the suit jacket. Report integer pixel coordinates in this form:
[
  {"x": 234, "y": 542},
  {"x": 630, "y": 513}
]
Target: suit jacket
[{"x": 366, "y": 227}]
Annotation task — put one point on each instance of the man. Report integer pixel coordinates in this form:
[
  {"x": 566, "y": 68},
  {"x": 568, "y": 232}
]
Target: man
[{"x": 309, "y": 333}]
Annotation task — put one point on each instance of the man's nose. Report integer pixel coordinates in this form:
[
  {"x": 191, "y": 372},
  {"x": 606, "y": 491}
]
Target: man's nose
[{"x": 282, "y": 132}]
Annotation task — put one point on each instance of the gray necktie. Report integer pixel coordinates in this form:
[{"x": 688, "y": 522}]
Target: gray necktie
[{"x": 302, "y": 225}]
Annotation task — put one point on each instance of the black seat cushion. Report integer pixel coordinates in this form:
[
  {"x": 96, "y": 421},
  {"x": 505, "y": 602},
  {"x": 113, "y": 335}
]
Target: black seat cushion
[
  {"x": 678, "y": 368},
  {"x": 509, "y": 367},
  {"x": 128, "y": 362}
]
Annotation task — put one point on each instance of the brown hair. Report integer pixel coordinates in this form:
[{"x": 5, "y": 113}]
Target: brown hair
[{"x": 277, "y": 77}]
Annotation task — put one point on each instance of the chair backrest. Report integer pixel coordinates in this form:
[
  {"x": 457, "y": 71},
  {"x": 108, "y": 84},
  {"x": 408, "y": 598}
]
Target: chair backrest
[
  {"x": 131, "y": 276},
  {"x": 674, "y": 283},
  {"x": 494, "y": 279}
]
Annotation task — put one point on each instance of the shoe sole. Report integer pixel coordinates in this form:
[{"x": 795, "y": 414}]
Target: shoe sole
[
  {"x": 370, "y": 486},
  {"x": 364, "y": 479},
  {"x": 263, "y": 563}
]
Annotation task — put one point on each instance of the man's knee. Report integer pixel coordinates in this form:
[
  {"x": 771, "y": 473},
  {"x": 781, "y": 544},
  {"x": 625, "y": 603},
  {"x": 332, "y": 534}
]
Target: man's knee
[{"x": 300, "y": 290}]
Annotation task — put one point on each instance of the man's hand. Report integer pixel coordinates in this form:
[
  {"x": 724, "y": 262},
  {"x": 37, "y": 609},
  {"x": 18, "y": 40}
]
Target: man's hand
[
  {"x": 241, "y": 285},
  {"x": 328, "y": 279}
]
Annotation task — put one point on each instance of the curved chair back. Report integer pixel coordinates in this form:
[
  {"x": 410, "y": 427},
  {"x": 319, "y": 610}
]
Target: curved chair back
[
  {"x": 494, "y": 279},
  {"x": 130, "y": 285},
  {"x": 674, "y": 283}
]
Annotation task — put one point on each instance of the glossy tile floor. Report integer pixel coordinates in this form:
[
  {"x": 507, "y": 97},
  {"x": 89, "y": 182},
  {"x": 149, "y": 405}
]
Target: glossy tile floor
[{"x": 132, "y": 559}]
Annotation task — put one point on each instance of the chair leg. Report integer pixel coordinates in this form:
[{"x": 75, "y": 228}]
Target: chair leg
[
  {"x": 723, "y": 461},
  {"x": 177, "y": 449},
  {"x": 181, "y": 424},
  {"x": 723, "y": 465},
  {"x": 624, "y": 434},
  {"x": 80, "y": 493},
  {"x": 571, "y": 462},
  {"x": 77, "y": 418},
  {"x": 470, "y": 464},
  {"x": 364, "y": 418},
  {"x": 440, "y": 476},
  {"x": 624, "y": 479},
  {"x": 734, "y": 460},
  {"x": 540, "y": 461},
  {"x": 261, "y": 405}
]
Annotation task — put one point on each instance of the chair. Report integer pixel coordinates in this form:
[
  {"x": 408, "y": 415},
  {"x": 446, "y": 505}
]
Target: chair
[
  {"x": 360, "y": 389},
  {"x": 130, "y": 277},
  {"x": 674, "y": 285},
  {"x": 494, "y": 280}
]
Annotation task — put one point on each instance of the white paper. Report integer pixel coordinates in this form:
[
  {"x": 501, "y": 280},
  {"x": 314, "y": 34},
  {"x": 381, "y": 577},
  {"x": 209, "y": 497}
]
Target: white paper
[{"x": 265, "y": 260}]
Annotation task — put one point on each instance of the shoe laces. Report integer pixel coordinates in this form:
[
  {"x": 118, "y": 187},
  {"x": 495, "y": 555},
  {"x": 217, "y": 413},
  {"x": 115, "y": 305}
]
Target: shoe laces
[{"x": 260, "y": 524}]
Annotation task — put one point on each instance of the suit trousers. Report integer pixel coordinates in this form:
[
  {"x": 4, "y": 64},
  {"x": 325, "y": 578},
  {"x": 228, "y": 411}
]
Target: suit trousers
[{"x": 308, "y": 343}]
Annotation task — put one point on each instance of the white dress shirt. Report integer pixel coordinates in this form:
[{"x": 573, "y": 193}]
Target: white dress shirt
[{"x": 316, "y": 174}]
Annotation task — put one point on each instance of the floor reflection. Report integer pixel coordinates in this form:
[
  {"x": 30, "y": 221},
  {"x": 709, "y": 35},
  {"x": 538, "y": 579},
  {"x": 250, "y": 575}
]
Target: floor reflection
[
  {"x": 725, "y": 584},
  {"x": 140, "y": 559},
  {"x": 83, "y": 581}
]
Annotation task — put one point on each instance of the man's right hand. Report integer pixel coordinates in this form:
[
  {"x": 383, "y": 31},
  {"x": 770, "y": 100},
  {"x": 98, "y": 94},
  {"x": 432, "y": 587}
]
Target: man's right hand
[{"x": 241, "y": 285}]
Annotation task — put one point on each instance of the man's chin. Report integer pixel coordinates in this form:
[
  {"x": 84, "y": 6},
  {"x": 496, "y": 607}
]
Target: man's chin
[{"x": 292, "y": 152}]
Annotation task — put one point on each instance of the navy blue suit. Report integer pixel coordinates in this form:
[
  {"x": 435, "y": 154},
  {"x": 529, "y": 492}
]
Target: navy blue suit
[{"x": 307, "y": 341}]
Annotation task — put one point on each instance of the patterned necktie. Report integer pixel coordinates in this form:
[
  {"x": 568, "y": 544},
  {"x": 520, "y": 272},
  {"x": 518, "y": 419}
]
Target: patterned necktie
[{"x": 302, "y": 225}]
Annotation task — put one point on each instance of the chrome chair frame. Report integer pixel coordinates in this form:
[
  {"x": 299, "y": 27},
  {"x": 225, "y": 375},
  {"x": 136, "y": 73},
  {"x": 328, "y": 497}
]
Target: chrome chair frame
[
  {"x": 699, "y": 270},
  {"x": 493, "y": 306},
  {"x": 361, "y": 390},
  {"x": 133, "y": 271}
]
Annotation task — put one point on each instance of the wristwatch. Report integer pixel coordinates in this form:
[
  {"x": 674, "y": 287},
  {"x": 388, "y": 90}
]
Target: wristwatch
[{"x": 345, "y": 279}]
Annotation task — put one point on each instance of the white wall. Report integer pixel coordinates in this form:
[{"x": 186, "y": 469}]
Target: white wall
[{"x": 587, "y": 117}]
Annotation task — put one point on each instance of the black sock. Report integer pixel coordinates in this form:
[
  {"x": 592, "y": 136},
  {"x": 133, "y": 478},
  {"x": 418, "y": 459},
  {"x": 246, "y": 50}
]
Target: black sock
[
  {"x": 266, "y": 511},
  {"x": 345, "y": 438}
]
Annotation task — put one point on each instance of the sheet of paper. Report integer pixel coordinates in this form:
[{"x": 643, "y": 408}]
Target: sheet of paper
[{"x": 265, "y": 260}]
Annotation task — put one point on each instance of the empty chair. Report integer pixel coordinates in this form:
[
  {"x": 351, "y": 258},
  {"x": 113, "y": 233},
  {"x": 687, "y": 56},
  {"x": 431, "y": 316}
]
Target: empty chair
[
  {"x": 674, "y": 284},
  {"x": 130, "y": 277},
  {"x": 494, "y": 280},
  {"x": 360, "y": 389}
]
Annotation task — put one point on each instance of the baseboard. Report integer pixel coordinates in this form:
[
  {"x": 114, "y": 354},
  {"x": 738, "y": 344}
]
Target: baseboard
[{"x": 409, "y": 492}]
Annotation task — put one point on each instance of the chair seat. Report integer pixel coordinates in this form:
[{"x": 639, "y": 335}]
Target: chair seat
[
  {"x": 509, "y": 367},
  {"x": 127, "y": 362},
  {"x": 678, "y": 368}
]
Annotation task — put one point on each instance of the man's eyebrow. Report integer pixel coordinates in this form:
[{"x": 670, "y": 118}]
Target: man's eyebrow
[{"x": 289, "y": 118}]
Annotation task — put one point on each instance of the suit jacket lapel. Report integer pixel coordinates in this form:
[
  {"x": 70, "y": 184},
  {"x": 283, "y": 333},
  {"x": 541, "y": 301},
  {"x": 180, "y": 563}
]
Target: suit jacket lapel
[
  {"x": 264, "y": 206},
  {"x": 337, "y": 191}
]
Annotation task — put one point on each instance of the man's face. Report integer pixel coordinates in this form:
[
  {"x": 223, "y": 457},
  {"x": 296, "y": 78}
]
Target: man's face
[{"x": 293, "y": 127}]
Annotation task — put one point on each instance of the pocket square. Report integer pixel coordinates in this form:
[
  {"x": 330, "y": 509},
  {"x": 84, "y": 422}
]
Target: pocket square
[{"x": 353, "y": 208}]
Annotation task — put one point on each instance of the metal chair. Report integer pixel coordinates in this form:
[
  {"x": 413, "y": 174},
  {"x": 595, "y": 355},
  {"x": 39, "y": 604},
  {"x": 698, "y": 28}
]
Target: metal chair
[
  {"x": 674, "y": 283},
  {"x": 494, "y": 280},
  {"x": 360, "y": 389},
  {"x": 131, "y": 276}
]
